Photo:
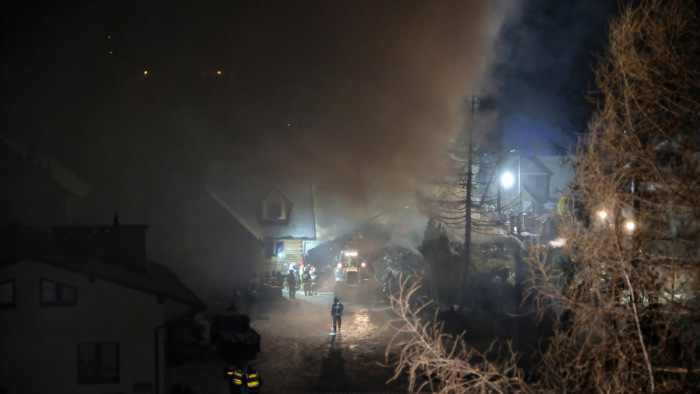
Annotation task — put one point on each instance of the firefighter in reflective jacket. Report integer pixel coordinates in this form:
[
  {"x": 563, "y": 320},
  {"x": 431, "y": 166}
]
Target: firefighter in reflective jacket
[
  {"x": 314, "y": 282},
  {"x": 252, "y": 380},
  {"x": 234, "y": 376},
  {"x": 306, "y": 282}
]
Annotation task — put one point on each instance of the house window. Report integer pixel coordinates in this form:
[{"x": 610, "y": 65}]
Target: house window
[
  {"x": 7, "y": 294},
  {"x": 274, "y": 211},
  {"x": 57, "y": 294},
  {"x": 274, "y": 249},
  {"x": 279, "y": 249},
  {"x": 98, "y": 362}
]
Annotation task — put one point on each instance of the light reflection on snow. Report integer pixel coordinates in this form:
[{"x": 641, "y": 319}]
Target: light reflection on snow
[{"x": 361, "y": 327}]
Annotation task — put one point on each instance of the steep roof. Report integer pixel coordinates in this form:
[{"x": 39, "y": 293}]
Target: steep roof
[
  {"x": 242, "y": 198},
  {"x": 18, "y": 243},
  {"x": 57, "y": 171}
]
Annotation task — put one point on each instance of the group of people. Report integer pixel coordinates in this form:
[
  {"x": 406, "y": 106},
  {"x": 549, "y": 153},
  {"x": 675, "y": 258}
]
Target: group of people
[
  {"x": 308, "y": 280},
  {"x": 300, "y": 277},
  {"x": 240, "y": 381}
]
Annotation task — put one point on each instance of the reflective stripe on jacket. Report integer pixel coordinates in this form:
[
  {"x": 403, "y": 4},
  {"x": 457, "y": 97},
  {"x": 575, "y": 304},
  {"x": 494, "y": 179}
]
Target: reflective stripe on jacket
[
  {"x": 252, "y": 379},
  {"x": 236, "y": 377}
]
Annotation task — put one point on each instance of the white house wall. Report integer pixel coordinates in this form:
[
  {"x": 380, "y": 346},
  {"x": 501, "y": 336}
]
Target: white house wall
[{"x": 39, "y": 345}]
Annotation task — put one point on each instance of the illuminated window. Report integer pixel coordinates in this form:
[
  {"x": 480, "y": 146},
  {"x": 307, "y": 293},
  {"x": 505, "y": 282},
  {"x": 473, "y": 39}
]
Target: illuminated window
[
  {"x": 274, "y": 249},
  {"x": 98, "y": 362},
  {"x": 7, "y": 294},
  {"x": 57, "y": 294}
]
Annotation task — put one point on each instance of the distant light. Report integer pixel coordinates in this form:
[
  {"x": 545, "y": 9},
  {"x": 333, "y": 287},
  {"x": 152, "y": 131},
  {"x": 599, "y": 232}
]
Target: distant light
[
  {"x": 602, "y": 214},
  {"x": 110, "y": 52},
  {"x": 507, "y": 179},
  {"x": 289, "y": 124},
  {"x": 558, "y": 243},
  {"x": 363, "y": 265},
  {"x": 109, "y": 37},
  {"x": 629, "y": 225},
  {"x": 512, "y": 150},
  {"x": 351, "y": 254},
  {"x": 340, "y": 265},
  {"x": 407, "y": 207},
  {"x": 145, "y": 72},
  {"x": 218, "y": 72}
]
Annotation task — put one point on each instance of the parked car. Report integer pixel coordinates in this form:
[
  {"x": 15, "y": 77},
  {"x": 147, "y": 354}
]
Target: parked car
[{"x": 232, "y": 337}]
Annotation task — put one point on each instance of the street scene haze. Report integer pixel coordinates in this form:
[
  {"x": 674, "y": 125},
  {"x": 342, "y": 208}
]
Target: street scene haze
[{"x": 316, "y": 196}]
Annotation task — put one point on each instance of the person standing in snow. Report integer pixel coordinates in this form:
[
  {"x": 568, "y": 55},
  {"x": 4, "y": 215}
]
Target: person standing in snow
[
  {"x": 306, "y": 282},
  {"x": 253, "y": 381},
  {"x": 292, "y": 284},
  {"x": 234, "y": 376},
  {"x": 337, "y": 312},
  {"x": 314, "y": 281}
]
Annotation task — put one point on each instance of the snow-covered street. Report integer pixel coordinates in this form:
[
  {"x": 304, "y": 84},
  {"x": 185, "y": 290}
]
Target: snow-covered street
[{"x": 299, "y": 354}]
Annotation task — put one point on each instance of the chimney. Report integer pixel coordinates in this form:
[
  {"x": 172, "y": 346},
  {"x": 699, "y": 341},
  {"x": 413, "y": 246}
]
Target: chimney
[{"x": 124, "y": 245}]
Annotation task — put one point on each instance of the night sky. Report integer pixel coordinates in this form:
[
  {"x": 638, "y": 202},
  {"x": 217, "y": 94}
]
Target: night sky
[{"x": 363, "y": 96}]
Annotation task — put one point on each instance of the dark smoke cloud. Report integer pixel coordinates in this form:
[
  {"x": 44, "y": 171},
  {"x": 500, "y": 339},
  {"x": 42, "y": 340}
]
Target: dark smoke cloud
[
  {"x": 546, "y": 55},
  {"x": 362, "y": 96},
  {"x": 378, "y": 98}
]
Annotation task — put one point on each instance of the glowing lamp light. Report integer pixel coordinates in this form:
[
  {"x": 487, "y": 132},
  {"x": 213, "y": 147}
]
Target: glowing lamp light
[
  {"x": 363, "y": 265},
  {"x": 340, "y": 265},
  {"x": 602, "y": 215},
  {"x": 218, "y": 72},
  {"x": 351, "y": 254},
  {"x": 145, "y": 72},
  {"x": 629, "y": 225},
  {"x": 507, "y": 179}
]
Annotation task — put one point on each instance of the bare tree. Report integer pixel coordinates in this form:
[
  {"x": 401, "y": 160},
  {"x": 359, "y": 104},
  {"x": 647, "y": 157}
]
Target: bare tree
[
  {"x": 628, "y": 298},
  {"x": 440, "y": 362}
]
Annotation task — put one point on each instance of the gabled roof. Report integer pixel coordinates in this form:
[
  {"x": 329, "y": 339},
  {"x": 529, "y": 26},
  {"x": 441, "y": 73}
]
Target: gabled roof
[
  {"x": 18, "y": 243},
  {"x": 532, "y": 165},
  {"x": 242, "y": 198},
  {"x": 57, "y": 171}
]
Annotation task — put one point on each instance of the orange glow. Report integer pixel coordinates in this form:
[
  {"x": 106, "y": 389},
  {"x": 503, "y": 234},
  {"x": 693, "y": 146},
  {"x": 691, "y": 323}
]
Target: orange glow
[
  {"x": 218, "y": 72},
  {"x": 145, "y": 72}
]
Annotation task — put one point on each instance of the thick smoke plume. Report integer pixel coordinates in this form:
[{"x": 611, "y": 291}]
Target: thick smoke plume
[
  {"x": 377, "y": 99},
  {"x": 363, "y": 97}
]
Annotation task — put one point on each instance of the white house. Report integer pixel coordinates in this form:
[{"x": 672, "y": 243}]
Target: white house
[{"x": 82, "y": 311}]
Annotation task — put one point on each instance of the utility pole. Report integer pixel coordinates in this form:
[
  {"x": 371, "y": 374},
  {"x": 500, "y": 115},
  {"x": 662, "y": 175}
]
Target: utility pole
[{"x": 464, "y": 269}]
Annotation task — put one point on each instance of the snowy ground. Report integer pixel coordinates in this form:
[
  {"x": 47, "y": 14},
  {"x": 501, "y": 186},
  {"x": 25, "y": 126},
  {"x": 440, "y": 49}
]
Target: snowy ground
[{"x": 299, "y": 355}]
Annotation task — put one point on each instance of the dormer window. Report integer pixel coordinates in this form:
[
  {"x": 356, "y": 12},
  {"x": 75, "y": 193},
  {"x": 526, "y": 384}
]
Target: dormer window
[
  {"x": 275, "y": 208},
  {"x": 274, "y": 211}
]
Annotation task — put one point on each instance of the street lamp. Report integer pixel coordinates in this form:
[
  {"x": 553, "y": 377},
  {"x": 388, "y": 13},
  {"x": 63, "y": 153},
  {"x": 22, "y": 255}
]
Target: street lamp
[{"x": 507, "y": 180}]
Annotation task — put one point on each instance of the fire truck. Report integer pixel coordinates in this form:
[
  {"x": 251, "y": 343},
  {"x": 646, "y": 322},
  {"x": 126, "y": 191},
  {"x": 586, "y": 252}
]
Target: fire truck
[{"x": 351, "y": 274}]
